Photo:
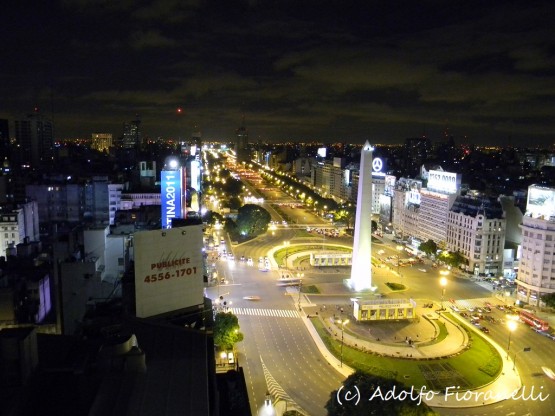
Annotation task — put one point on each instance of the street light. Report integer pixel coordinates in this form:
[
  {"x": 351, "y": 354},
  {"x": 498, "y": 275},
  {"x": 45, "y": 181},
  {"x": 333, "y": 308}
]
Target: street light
[
  {"x": 300, "y": 288},
  {"x": 512, "y": 326},
  {"x": 342, "y": 322},
  {"x": 286, "y": 244},
  {"x": 399, "y": 248},
  {"x": 443, "y": 283}
]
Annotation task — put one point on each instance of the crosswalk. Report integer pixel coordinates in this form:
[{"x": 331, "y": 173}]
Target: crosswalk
[{"x": 278, "y": 313}]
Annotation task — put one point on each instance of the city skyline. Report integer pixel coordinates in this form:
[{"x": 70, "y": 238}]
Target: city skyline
[{"x": 310, "y": 71}]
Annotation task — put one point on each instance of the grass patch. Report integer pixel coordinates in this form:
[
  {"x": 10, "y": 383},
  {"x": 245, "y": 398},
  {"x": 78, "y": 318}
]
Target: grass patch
[
  {"x": 395, "y": 286},
  {"x": 481, "y": 356},
  {"x": 440, "y": 337},
  {"x": 310, "y": 289}
]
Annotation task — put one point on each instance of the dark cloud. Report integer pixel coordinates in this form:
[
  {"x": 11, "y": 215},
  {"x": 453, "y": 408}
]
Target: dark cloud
[{"x": 305, "y": 70}]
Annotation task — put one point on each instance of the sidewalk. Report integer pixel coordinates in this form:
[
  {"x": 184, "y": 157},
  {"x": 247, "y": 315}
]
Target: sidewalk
[{"x": 506, "y": 383}]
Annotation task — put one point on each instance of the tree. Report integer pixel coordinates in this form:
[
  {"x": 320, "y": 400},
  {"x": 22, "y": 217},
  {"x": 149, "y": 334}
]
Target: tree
[
  {"x": 429, "y": 247},
  {"x": 226, "y": 330},
  {"x": 374, "y": 398},
  {"x": 454, "y": 259},
  {"x": 549, "y": 300},
  {"x": 252, "y": 220},
  {"x": 212, "y": 217}
]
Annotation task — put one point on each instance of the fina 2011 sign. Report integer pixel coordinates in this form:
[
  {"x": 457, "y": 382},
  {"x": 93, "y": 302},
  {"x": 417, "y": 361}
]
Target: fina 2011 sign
[
  {"x": 170, "y": 196},
  {"x": 446, "y": 182},
  {"x": 168, "y": 270}
]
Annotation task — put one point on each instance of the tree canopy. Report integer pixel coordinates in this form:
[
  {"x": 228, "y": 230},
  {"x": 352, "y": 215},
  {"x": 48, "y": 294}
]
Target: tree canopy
[
  {"x": 429, "y": 247},
  {"x": 226, "y": 330},
  {"x": 252, "y": 220},
  {"x": 366, "y": 394},
  {"x": 452, "y": 258},
  {"x": 549, "y": 300}
]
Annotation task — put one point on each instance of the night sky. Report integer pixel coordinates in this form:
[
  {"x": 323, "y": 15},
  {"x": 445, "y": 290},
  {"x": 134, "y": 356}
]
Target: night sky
[{"x": 300, "y": 70}]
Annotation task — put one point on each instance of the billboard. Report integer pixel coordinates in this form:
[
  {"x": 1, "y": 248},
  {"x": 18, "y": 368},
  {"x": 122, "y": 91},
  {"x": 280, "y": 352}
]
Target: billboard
[
  {"x": 170, "y": 196},
  {"x": 446, "y": 182},
  {"x": 389, "y": 185},
  {"x": 322, "y": 151},
  {"x": 541, "y": 201},
  {"x": 379, "y": 167},
  {"x": 168, "y": 270}
]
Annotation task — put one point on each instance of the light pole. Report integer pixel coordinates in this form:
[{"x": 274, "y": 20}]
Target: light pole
[
  {"x": 342, "y": 322},
  {"x": 512, "y": 326},
  {"x": 399, "y": 248},
  {"x": 286, "y": 244},
  {"x": 300, "y": 289},
  {"x": 443, "y": 284}
]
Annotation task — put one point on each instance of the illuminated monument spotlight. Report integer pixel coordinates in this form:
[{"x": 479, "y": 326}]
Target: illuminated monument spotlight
[
  {"x": 172, "y": 191},
  {"x": 361, "y": 268}
]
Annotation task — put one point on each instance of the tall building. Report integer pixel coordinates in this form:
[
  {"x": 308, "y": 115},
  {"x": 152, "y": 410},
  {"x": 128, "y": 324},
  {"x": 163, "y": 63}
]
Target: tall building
[
  {"x": 476, "y": 228},
  {"x": 35, "y": 138},
  {"x": 132, "y": 134},
  {"x": 242, "y": 143},
  {"x": 101, "y": 141},
  {"x": 4, "y": 139},
  {"x": 417, "y": 151},
  {"x": 435, "y": 202},
  {"x": 536, "y": 274}
]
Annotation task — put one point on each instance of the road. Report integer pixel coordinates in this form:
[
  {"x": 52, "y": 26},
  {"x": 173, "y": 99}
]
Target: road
[{"x": 278, "y": 354}]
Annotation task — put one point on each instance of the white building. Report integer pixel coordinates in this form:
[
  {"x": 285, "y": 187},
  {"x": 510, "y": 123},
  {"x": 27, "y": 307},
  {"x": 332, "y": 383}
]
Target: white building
[
  {"x": 536, "y": 274},
  {"x": 19, "y": 222},
  {"x": 476, "y": 229}
]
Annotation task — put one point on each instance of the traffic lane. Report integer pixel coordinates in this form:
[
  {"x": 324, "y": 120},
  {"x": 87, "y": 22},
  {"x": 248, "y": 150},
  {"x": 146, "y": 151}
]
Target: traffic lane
[{"x": 292, "y": 358}]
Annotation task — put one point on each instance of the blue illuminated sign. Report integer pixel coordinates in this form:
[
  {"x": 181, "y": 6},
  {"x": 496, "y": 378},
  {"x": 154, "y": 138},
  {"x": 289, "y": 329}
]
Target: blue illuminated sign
[{"x": 171, "y": 196}]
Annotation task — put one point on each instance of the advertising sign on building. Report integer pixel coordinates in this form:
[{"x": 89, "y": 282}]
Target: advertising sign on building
[
  {"x": 389, "y": 185},
  {"x": 170, "y": 196},
  {"x": 541, "y": 201},
  {"x": 445, "y": 182},
  {"x": 168, "y": 270},
  {"x": 378, "y": 166}
]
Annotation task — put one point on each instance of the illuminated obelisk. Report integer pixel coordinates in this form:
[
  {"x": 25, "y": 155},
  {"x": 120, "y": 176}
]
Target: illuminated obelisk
[{"x": 361, "y": 268}]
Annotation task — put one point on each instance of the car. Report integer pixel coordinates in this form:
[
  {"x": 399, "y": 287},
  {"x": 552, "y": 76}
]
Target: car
[
  {"x": 249, "y": 261},
  {"x": 243, "y": 258},
  {"x": 484, "y": 330},
  {"x": 464, "y": 314},
  {"x": 230, "y": 256},
  {"x": 251, "y": 297},
  {"x": 423, "y": 270}
]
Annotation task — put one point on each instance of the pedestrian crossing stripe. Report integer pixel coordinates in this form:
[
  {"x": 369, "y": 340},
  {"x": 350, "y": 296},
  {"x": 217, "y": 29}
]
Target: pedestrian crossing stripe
[{"x": 278, "y": 313}]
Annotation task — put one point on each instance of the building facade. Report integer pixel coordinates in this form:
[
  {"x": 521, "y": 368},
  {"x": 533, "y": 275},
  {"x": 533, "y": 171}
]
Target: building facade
[
  {"x": 476, "y": 228},
  {"x": 536, "y": 274}
]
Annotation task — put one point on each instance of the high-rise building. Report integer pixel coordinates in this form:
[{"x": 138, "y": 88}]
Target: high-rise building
[
  {"x": 35, "y": 138},
  {"x": 101, "y": 141},
  {"x": 536, "y": 274},
  {"x": 132, "y": 134},
  {"x": 4, "y": 139},
  {"x": 242, "y": 144},
  {"x": 417, "y": 151}
]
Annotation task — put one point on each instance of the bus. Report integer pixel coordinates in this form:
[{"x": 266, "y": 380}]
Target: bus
[{"x": 532, "y": 320}]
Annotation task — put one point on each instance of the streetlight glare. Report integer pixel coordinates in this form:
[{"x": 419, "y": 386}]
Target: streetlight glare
[{"x": 511, "y": 324}]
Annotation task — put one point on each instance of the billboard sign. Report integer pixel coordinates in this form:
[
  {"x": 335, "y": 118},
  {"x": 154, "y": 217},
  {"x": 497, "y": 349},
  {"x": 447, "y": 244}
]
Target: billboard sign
[
  {"x": 541, "y": 201},
  {"x": 170, "y": 196},
  {"x": 446, "y": 182},
  {"x": 168, "y": 270},
  {"x": 378, "y": 166},
  {"x": 389, "y": 185}
]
